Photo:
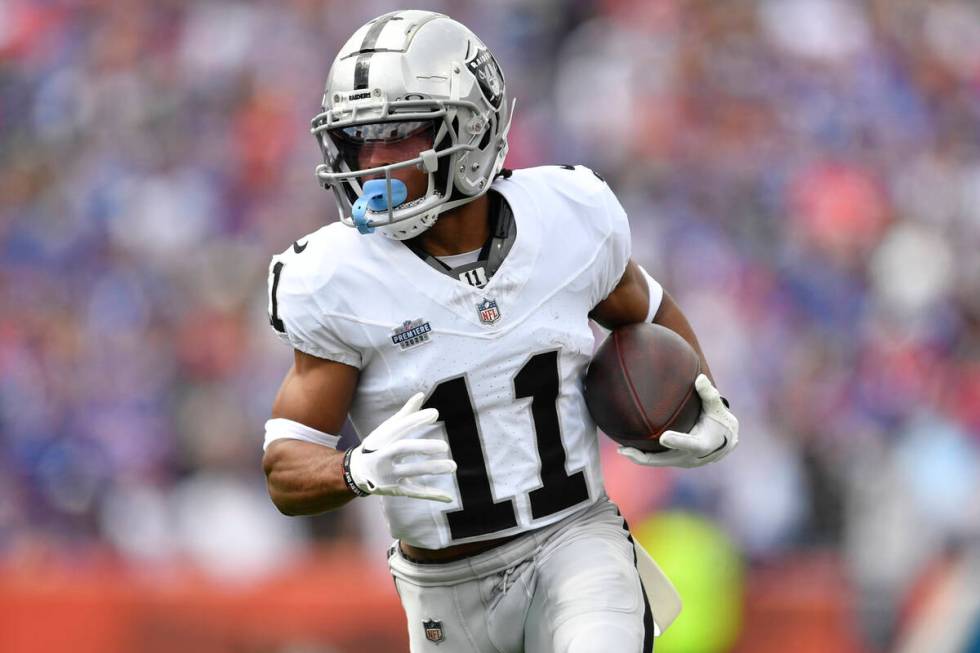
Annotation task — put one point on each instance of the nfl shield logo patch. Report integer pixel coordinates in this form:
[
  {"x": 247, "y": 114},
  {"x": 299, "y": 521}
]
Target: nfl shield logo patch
[
  {"x": 489, "y": 313},
  {"x": 433, "y": 630}
]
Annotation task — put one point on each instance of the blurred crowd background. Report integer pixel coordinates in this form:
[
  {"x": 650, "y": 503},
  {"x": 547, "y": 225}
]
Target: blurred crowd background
[{"x": 802, "y": 175}]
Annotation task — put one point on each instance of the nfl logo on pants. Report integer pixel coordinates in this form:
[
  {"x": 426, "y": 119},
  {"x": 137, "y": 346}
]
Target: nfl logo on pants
[{"x": 433, "y": 630}]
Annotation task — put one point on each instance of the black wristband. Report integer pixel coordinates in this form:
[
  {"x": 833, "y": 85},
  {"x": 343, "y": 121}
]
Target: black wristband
[{"x": 348, "y": 478}]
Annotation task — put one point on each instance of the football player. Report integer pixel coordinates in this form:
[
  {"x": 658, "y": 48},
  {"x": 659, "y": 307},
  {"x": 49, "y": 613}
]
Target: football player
[{"x": 447, "y": 314}]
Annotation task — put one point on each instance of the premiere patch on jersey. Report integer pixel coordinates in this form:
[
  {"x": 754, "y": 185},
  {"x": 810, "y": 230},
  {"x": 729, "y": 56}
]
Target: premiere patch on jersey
[
  {"x": 489, "y": 313},
  {"x": 433, "y": 630},
  {"x": 484, "y": 67},
  {"x": 411, "y": 333}
]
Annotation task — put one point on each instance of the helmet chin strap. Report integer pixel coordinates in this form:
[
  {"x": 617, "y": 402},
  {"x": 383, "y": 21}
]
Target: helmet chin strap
[{"x": 375, "y": 198}]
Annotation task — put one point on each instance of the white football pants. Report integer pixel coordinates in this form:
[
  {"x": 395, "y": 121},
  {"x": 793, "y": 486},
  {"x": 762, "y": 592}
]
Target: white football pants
[{"x": 571, "y": 587}]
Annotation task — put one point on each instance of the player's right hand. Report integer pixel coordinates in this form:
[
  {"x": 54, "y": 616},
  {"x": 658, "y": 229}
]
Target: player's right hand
[
  {"x": 712, "y": 438},
  {"x": 385, "y": 463}
]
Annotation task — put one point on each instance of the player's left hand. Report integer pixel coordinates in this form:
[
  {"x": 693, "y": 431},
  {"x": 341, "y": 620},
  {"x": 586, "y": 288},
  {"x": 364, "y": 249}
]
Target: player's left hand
[{"x": 713, "y": 436}]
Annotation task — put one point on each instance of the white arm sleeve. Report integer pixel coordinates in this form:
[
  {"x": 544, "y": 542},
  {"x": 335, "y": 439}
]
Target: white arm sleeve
[
  {"x": 656, "y": 294},
  {"x": 286, "y": 429}
]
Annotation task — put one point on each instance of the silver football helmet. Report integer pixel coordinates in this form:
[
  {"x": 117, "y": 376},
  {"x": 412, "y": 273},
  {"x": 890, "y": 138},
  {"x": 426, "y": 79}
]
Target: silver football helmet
[{"x": 402, "y": 75}]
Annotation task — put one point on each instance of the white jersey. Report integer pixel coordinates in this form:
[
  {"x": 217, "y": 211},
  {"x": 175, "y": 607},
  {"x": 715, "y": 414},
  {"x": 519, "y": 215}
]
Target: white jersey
[{"x": 503, "y": 364}]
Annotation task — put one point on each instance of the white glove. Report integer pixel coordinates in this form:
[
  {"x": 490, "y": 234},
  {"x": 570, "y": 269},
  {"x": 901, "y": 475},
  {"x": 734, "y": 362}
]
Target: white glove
[
  {"x": 379, "y": 466},
  {"x": 712, "y": 438}
]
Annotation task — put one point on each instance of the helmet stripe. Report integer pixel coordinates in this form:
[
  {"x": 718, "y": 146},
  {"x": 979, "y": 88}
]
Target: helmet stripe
[{"x": 362, "y": 66}]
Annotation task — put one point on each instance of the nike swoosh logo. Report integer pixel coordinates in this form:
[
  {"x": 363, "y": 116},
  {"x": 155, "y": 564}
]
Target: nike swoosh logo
[{"x": 299, "y": 248}]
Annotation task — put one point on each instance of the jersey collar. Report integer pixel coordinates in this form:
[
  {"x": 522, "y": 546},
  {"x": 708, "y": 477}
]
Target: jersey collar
[{"x": 506, "y": 284}]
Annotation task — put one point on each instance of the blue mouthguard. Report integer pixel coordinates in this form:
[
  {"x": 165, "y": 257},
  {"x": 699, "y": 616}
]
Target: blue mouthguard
[{"x": 375, "y": 197}]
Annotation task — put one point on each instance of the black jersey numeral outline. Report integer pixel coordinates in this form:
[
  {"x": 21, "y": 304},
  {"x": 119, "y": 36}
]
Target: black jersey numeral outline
[
  {"x": 539, "y": 380},
  {"x": 479, "y": 513},
  {"x": 274, "y": 319}
]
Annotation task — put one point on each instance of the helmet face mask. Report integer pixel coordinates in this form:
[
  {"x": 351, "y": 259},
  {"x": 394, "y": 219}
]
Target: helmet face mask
[
  {"x": 418, "y": 78},
  {"x": 371, "y": 145}
]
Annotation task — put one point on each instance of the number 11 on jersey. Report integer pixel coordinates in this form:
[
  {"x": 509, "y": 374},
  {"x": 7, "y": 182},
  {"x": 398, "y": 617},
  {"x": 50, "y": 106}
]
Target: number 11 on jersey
[{"x": 479, "y": 515}]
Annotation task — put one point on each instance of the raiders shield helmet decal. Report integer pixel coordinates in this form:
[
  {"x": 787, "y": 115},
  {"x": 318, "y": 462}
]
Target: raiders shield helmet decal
[
  {"x": 433, "y": 630},
  {"x": 484, "y": 67}
]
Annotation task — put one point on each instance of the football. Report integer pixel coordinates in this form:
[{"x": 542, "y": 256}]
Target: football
[{"x": 641, "y": 383}]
